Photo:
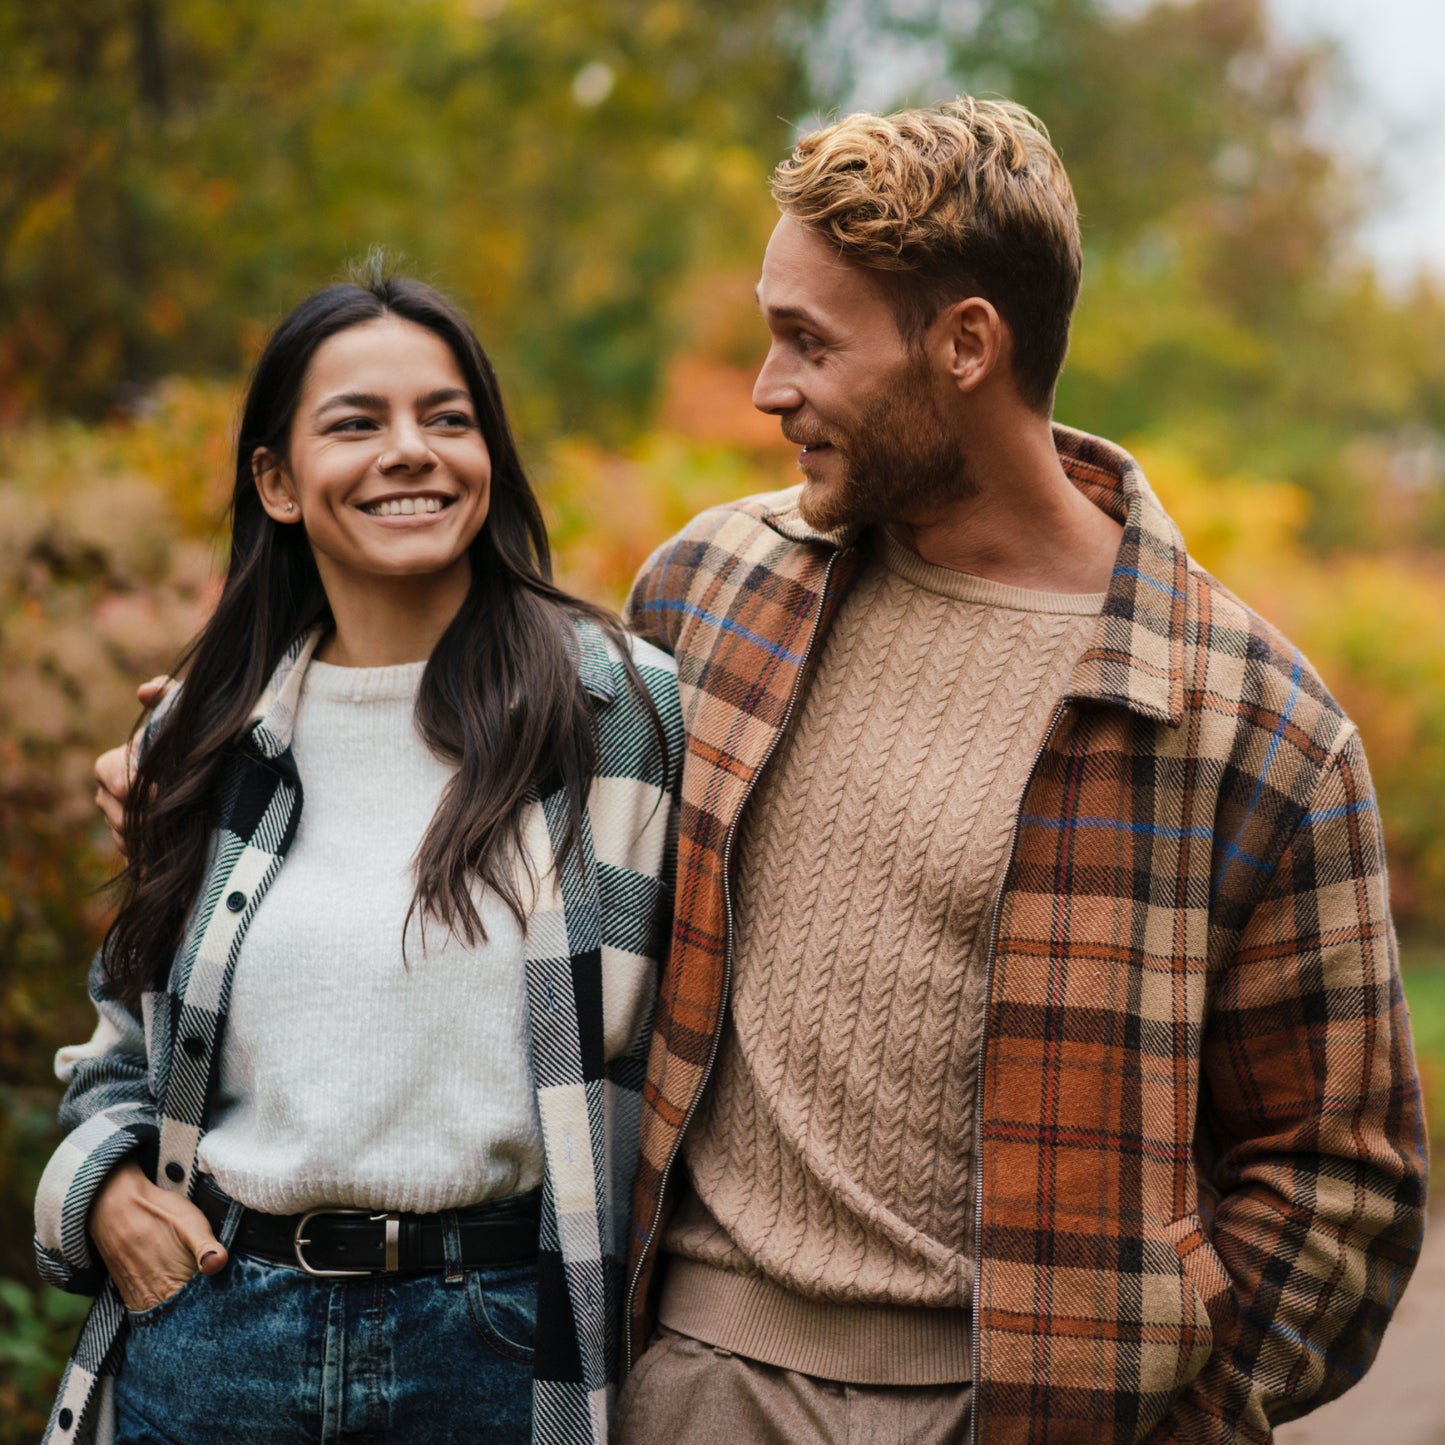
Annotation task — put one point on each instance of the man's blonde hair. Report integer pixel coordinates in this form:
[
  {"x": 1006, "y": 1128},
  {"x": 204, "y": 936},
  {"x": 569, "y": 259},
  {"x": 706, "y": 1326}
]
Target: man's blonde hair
[{"x": 967, "y": 199}]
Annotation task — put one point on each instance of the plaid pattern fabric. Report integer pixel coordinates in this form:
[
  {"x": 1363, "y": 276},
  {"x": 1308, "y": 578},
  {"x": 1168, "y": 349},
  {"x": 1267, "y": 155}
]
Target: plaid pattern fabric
[
  {"x": 1201, "y": 1176},
  {"x": 592, "y": 949}
]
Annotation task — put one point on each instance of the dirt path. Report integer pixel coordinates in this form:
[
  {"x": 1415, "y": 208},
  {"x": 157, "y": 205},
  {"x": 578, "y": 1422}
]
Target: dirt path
[{"x": 1402, "y": 1400}]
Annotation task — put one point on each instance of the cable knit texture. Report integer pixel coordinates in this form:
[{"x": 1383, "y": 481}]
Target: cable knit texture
[
  {"x": 348, "y": 1076},
  {"x": 828, "y": 1227}
]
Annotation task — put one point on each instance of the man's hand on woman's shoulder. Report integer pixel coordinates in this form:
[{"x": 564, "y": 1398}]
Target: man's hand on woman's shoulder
[{"x": 115, "y": 769}]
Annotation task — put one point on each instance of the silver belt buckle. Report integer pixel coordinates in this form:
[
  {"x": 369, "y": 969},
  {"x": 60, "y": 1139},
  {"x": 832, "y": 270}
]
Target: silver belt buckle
[{"x": 393, "y": 1243}]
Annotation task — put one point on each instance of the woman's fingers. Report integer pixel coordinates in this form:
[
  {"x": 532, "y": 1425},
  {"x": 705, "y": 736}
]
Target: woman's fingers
[
  {"x": 113, "y": 771},
  {"x": 143, "y": 1289},
  {"x": 152, "y": 1240},
  {"x": 195, "y": 1233}
]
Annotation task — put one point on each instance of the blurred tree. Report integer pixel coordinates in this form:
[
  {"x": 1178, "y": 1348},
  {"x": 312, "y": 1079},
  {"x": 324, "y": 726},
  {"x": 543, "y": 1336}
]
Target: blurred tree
[
  {"x": 589, "y": 179},
  {"x": 178, "y": 171}
]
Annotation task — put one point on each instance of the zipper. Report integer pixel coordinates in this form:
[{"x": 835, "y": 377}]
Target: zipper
[
  {"x": 727, "y": 957},
  {"x": 975, "y": 1348}
]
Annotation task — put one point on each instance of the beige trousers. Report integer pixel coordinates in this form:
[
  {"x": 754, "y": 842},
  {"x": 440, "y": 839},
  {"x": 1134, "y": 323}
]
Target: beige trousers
[{"x": 684, "y": 1392}]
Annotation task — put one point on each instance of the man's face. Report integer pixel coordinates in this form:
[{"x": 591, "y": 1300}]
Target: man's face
[{"x": 878, "y": 440}]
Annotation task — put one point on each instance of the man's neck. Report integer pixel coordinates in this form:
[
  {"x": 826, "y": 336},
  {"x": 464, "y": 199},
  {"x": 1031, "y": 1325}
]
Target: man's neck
[{"x": 1025, "y": 525}]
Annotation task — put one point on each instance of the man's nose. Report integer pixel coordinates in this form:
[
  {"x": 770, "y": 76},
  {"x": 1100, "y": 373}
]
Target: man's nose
[{"x": 776, "y": 391}]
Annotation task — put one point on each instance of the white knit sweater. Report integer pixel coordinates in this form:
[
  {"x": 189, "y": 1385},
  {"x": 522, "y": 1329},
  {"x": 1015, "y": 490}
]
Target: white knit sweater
[{"x": 348, "y": 1077}]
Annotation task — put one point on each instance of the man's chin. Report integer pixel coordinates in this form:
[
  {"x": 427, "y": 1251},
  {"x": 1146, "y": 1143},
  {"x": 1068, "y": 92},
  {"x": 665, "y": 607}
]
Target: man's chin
[
  {"x": 825, "y": 506},
  {"x": 813, "y": 507}
]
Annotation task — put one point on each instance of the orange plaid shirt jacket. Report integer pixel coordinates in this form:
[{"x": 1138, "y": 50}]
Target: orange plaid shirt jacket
[{"x": 1200, "y": 1182}]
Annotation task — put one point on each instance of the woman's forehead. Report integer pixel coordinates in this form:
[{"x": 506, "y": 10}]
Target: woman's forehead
[{"x": 382, "y": 355}]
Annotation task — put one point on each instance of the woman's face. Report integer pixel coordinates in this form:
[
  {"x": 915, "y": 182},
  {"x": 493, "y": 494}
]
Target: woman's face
[{"x": 387, "y": 469}]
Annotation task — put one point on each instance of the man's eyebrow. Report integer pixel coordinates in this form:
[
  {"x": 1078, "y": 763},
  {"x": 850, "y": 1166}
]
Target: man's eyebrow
[
  {"x": 371, "y": 401},
  {"x": 787, "y": 313}
]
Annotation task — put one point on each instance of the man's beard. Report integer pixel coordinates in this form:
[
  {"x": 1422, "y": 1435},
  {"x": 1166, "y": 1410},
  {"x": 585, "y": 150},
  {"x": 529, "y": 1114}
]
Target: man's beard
[{"x": 897, "y": 462}]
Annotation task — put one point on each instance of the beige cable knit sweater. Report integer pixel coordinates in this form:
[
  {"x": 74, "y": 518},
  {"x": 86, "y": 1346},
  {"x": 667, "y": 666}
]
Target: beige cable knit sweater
[{"x": 828, "y": 1229}]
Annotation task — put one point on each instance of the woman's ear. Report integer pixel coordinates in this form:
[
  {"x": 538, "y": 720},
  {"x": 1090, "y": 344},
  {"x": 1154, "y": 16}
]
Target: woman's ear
[{"x": 273, "y": 486}]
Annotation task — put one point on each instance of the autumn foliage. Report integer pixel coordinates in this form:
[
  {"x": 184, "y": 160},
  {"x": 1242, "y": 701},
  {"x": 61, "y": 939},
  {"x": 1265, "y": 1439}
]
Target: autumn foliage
[{"x": 589, "y": 179}]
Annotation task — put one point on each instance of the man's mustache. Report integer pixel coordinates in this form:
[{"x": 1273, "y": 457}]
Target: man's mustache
[{"x": 800, "y": 436}]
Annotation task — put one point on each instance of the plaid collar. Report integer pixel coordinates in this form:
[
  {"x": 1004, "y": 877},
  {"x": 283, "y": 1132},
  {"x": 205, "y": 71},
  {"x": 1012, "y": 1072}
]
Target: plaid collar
[
  {"x": 1136, "y": 657},
  {"x": 273, "y": 718}
]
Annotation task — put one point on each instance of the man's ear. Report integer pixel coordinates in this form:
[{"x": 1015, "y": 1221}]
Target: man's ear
[
  {"x": 274, "y": 486},
  {"x": 972, "y": 342}
]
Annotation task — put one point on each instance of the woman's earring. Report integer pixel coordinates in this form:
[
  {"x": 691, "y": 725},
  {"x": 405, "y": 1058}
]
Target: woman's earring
[{"x": 290, "y": 506}]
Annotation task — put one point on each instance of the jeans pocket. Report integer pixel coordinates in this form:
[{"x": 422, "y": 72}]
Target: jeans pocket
[
  {"x": 141, "y": 1318},
  {"x": 503, "y": 1307}
]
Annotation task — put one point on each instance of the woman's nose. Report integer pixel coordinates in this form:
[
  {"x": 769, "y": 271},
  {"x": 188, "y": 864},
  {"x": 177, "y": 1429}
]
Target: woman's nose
[{"x": 407, "y": 449}]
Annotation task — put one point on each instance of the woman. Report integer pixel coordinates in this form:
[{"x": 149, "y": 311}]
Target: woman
[{"x": 346, "y": 1146}]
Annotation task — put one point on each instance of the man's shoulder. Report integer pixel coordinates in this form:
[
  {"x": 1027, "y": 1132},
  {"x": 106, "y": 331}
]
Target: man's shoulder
[
  {"x": 1238, "y": 673},
  {"x": 1248, "y": 666},
  {"x": 755, "y": 555},
  {"x": 765, "y": 518}
]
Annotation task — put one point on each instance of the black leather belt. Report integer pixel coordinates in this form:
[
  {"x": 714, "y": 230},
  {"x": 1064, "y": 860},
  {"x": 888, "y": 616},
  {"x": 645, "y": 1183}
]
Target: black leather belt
[{"x": 335, "y": 1242}]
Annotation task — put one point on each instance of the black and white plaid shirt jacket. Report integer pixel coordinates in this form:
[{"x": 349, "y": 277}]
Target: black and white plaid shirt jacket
[{"x": 143, "y": 1084}]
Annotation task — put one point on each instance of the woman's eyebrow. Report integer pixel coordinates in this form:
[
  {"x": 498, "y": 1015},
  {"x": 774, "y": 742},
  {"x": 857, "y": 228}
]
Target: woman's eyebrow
[
  {"x": 372, "y": 401},
  {"x": 441, "y": 394},
  {"x": 361, "y": 400}
]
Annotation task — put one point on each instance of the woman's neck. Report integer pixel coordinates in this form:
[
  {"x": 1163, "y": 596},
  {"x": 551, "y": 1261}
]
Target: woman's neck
[{"x": 390, "y": 620}]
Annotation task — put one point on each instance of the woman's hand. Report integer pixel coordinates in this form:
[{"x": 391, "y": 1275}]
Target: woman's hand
[
  {"x": 152, "y": 1241},
  {"x": 115, "y": 769}
]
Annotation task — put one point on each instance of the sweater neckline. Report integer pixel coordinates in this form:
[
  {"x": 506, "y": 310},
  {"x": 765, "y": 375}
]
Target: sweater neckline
[
  {"x": 966, "y": 587},
  {"x": 328, "y": 682}
]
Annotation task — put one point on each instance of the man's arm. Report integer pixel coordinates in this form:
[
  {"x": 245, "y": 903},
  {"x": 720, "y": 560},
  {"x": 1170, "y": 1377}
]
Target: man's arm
[
  {"x": 1312, "y": 1102},
  {"x": 644, "y": 612}
]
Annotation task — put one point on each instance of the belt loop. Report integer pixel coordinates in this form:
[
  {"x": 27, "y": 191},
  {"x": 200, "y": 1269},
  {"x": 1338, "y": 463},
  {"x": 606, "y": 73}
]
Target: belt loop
[
  {"x": 231, "y": 1223},
  {"x": 452, "y": 1247}
]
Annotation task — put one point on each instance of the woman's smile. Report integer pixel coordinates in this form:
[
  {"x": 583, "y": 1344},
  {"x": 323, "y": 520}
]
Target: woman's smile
[{"x": 406, "y": 508}]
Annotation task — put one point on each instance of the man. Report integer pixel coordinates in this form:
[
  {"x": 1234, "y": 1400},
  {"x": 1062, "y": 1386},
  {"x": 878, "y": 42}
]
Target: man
[{"x": 1031, "y": 1063}]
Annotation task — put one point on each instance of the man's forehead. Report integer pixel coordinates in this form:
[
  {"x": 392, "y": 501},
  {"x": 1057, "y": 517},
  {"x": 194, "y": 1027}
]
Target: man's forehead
[{"x": 803, "y": 273}]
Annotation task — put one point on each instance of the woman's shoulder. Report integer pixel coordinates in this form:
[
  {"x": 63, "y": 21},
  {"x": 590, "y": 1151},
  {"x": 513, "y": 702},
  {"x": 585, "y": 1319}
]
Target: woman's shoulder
[
  {"x": 653, "y": 661},
  {"x": 631, "y": 741},
  {"x": 605, "y": 673}
]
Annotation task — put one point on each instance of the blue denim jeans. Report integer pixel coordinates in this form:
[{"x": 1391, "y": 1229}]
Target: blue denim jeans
[{"x": 263, "y": 1351}]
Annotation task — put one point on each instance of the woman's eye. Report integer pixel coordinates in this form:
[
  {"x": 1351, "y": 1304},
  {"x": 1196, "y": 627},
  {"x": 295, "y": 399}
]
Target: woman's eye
[
  {"x": 453, "y": 419},
  {"x": 355, "y": 424}
]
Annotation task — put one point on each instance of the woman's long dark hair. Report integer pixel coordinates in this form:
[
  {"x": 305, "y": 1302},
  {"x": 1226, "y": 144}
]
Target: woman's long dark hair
[{"x": 501, "y": 695}]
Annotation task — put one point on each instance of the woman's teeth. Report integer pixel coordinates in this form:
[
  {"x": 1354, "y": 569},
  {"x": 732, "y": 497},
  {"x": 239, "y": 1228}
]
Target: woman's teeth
[{"x": 405, "y": 506}]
